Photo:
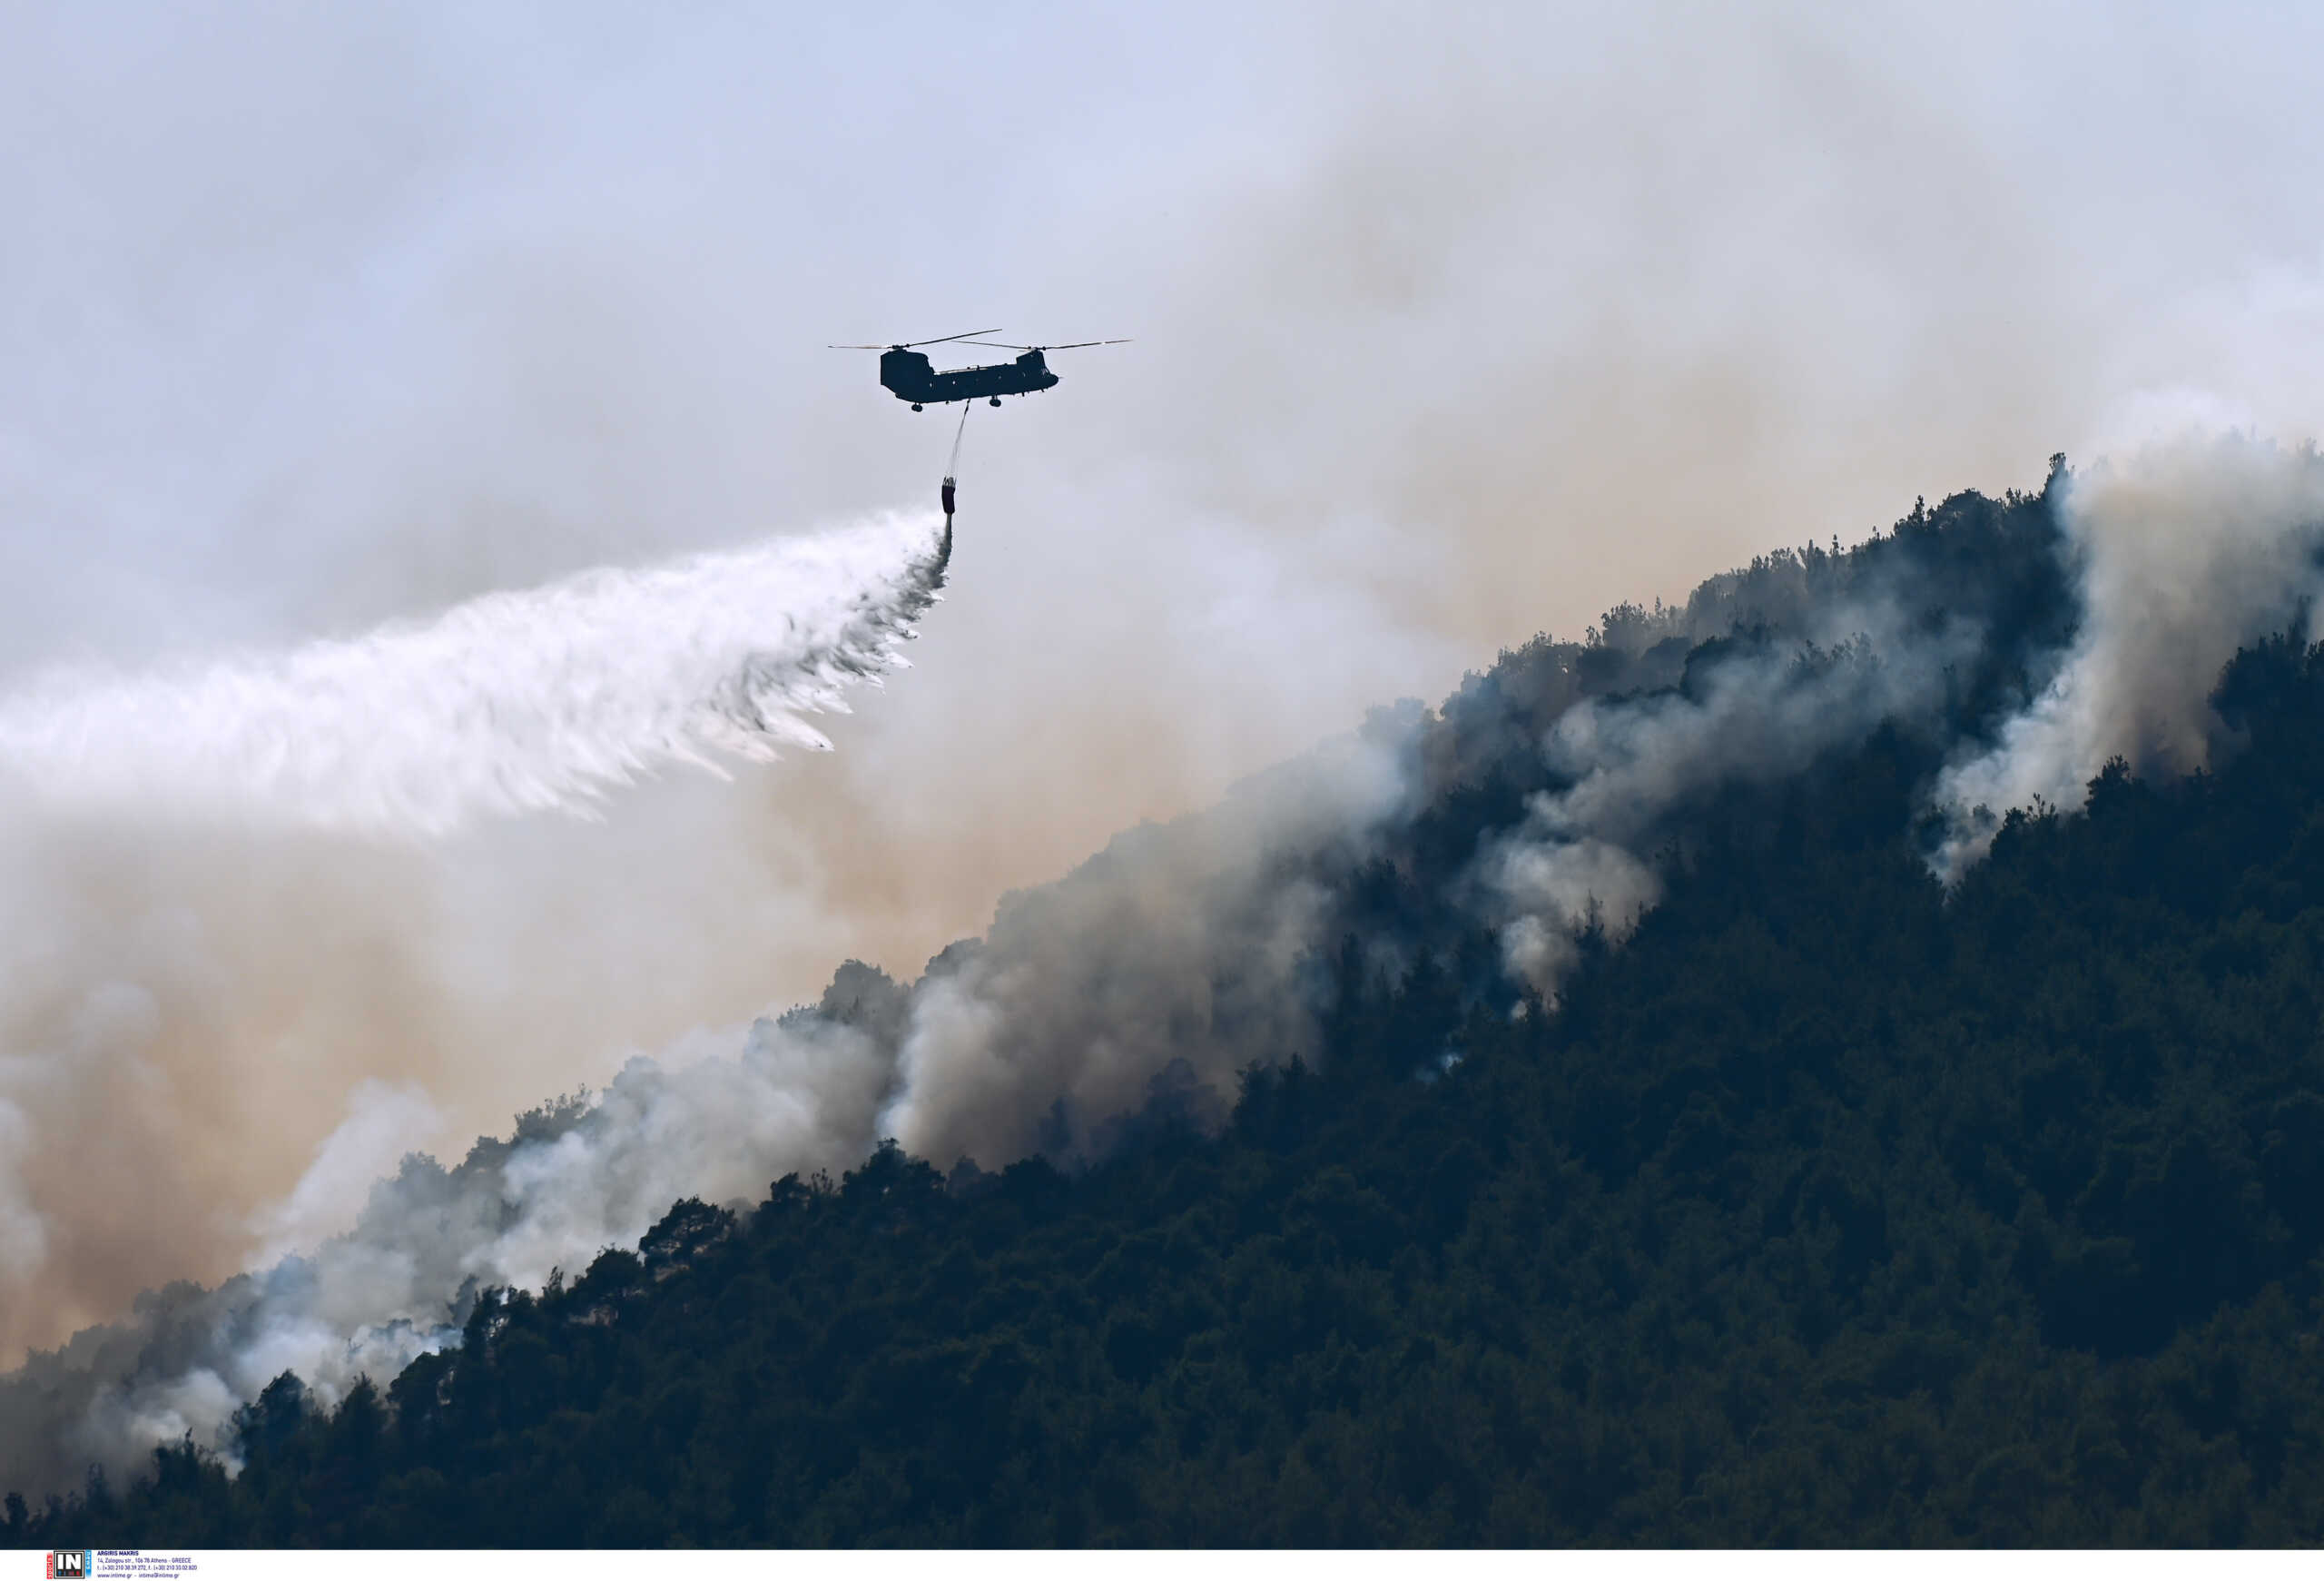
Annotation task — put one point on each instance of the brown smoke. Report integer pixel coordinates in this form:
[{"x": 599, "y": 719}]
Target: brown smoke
[{"x": 1449, "y": 330}]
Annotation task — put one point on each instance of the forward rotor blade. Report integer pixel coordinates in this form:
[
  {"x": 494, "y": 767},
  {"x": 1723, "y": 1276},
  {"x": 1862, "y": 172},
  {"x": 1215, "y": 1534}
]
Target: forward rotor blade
[{"x": 940, "y": 340}]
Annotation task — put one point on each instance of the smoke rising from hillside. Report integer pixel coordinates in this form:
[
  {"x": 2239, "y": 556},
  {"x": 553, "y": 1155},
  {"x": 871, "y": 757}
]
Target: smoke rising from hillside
[
  {"x": 1584, "y": 854},
  {"x": 573, "y": 1182},
  {"x": 227, "y": 885},
  {"x": 2187, "y": 549},
  {"x": 1152, "y": 972},
  {"x": 1133, "y": 991},
  {"x": 1451, "y": 328},
  {"x": 1144, "y": 980}
]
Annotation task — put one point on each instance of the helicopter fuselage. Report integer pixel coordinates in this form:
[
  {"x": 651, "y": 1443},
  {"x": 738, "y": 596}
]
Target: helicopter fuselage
[{"x": 909, "y": 376}]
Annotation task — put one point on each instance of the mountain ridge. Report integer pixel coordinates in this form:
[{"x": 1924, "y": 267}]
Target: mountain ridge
[{"x": 1816, "y": 1201}]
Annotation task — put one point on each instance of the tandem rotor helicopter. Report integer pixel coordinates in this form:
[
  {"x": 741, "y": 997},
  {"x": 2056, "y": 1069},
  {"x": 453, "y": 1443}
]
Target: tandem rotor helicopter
[{"x": 906, "y": 373}]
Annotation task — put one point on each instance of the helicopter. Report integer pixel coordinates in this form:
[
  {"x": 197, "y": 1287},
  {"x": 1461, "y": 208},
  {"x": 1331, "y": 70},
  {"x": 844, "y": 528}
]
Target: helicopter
[{"x": 909, "y": 376}]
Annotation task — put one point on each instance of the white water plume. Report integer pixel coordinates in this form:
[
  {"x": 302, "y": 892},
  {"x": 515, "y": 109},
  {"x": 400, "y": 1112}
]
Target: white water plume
[{"x": 514, "y": 702}]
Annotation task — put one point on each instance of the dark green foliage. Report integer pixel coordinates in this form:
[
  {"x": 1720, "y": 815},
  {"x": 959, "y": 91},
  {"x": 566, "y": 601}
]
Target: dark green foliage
[{"x": 1827, "y": 1209}]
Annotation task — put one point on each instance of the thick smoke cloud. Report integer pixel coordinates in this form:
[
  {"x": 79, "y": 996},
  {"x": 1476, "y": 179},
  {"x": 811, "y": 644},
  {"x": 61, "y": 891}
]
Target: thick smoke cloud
[
  {"x": 1584, "y": 854},
  {"x": 1137, "y": 987},
  {"x": 1161, "y": 966},
  {"x": 574, "y": 1179},
  {"x": 1134, "y": 991},
  {"x": 1451, "y": 328},
  {"x": 186, "y": 912},
  {"x": 2187, "y": 550}
]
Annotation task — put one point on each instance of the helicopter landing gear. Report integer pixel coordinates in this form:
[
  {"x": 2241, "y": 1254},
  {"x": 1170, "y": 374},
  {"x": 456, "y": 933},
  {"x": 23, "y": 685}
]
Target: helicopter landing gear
[
  {"x": 915, "y": 406},
  {"x": 995, "y": 400}
]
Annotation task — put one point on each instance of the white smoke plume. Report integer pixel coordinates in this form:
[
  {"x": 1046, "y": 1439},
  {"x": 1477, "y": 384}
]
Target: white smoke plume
[
  {"x": 218, "y": 893},
  {"x": 2180, "y": 552},
  {"x": 316, "y": 315},
  {"x": 2185, "y": 550},
  {"x": 1153, "y": 973},
  {"x": 1584, "y": 854},
  {"x": 511, "y": 703},
  {"x": 1144, "y": 980},
  {"x": 579, "y": 1176},
  {"x": 1149, "y": 976}
]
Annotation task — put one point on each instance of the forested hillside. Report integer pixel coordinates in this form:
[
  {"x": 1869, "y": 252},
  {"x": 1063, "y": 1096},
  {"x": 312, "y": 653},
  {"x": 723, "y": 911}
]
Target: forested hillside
[{"x": 1824, "y": 1207}]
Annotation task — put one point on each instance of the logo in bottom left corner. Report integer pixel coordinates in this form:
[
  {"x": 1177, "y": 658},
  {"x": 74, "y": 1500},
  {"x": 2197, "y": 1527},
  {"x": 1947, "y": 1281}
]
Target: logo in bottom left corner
[{"x": 69, "y": 1564}]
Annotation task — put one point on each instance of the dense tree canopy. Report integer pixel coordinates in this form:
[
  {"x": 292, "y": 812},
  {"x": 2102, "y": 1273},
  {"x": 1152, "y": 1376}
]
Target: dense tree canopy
[{"x": 1824, "y": 1208}]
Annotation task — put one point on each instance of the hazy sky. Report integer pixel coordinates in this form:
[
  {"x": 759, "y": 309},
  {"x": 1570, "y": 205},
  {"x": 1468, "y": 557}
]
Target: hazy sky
[{"x": 1452, "y": 325}]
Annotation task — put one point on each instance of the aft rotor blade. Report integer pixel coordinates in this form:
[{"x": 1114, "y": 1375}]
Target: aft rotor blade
[
  {"x": 880, "y": 348},
  {"x": 1068, "y": 346}
]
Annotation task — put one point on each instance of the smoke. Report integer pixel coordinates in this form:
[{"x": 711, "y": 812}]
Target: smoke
[
  {"x": 1152, "y": 972},
  {"x": 577, "y": 1177},
  {"x": 2185, "y": 550},
  {"x": 2178, "y": 552},
  {"x": 1137, "y": 986},
  {"x": 513, "y": 702},
  {"x": 224, "y": 885},
  {"x": 1134, "y": 989},
  {"x": 1584, "y": 854},
  {"x": 1451, "y": 328},
  {"x": 1131, "y": 992},
  {"x": 383, "y": 1123}
]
